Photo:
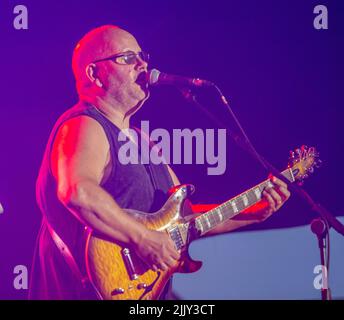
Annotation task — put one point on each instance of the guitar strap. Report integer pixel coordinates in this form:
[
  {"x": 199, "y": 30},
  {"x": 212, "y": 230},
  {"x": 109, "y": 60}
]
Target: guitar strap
[
  {"x": 156, "y": 176},
  {"x": 156, "y": 180},
  {"x": 68, "y": 257}
]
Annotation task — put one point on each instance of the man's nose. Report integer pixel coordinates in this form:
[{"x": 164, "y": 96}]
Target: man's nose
[{"x": 141, "y": 64}]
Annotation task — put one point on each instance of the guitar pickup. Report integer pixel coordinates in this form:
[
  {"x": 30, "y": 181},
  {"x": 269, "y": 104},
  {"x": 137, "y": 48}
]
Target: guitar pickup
[{"x": 129, "y": 264}]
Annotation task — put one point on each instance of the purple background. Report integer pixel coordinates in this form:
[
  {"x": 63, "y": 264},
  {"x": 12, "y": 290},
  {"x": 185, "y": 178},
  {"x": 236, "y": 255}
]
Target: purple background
[{"x": 284, "y": 80}]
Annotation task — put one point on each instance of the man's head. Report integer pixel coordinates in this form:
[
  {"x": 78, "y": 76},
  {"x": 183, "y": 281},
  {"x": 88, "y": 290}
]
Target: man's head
[{"x": 107, "y": 62}]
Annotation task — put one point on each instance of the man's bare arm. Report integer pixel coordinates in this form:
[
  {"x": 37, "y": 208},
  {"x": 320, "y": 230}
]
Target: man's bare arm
[{"x": 79, "y": 158}]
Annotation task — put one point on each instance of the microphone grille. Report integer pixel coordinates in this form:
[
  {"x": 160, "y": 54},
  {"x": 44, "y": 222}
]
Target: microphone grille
[{"x": 153, "y": 76}]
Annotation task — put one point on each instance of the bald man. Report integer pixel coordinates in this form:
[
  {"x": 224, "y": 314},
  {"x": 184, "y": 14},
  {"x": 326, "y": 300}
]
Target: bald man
[{"x": 82, "y": 183}]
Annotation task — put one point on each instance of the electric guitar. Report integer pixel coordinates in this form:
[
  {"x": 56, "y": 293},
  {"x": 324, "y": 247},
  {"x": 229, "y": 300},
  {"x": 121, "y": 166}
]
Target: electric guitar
[{"x": 117, "y": 273}]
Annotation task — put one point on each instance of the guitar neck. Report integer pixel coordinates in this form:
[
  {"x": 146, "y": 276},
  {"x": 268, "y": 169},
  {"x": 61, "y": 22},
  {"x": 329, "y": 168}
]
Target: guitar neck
[{"x": 234, "y": 206}]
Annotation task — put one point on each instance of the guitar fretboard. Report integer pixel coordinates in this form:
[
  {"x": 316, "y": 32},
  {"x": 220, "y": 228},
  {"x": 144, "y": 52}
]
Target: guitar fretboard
[{"x": 234, "y": 206}]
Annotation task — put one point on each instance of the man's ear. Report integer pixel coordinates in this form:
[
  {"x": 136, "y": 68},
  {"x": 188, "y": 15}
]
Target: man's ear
[{"x": 91, "y": 73}]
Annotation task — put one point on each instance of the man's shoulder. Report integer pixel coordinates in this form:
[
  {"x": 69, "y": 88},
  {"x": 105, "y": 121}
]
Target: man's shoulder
[
  {"x": 79, "y": 114},
  {"x": 77, "y": 122},
  {"x": 76, "y": 110},
  {"x": 77, "y": 133}
]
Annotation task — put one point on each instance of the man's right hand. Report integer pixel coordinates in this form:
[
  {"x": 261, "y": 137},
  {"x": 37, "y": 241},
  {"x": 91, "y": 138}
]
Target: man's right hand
[{"x": 157, "y": 250}]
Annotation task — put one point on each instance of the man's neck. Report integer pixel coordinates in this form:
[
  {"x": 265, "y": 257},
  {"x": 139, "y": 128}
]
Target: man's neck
[{"x": 110, "y": 108}]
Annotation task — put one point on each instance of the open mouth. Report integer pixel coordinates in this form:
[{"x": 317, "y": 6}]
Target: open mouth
[{"x": 142, "y": 80}]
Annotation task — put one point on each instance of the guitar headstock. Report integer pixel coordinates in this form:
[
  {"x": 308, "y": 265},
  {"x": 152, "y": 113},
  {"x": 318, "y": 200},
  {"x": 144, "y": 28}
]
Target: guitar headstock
[{"x": 302, "y": 162}]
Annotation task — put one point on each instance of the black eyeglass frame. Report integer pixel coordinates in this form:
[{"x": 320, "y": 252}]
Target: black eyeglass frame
[{"x": 144, "y": 56}]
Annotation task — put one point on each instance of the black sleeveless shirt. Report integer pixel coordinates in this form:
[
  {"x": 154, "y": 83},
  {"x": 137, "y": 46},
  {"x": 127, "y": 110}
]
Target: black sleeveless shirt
[{"x": 133, "y": 186}]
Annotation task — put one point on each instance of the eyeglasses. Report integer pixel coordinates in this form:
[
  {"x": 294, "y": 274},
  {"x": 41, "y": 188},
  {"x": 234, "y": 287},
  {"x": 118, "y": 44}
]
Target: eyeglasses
[{"x": 128, "y": 57}]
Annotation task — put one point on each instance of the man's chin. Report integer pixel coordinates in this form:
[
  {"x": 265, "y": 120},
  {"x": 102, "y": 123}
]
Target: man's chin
[
  {"x": 145, "y": 96},
  {"x": 140, "y": 95},
  {"x": 140, "y": 102},
  {"x": 143, "y": 93}
]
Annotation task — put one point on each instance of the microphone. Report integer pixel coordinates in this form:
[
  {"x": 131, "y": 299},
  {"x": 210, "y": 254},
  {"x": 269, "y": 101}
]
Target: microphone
[{"x": 154, "y": 78}]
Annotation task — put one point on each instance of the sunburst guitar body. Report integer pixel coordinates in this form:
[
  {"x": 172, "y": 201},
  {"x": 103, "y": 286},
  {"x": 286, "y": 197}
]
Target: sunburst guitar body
[{"x": 117, "y": 273}]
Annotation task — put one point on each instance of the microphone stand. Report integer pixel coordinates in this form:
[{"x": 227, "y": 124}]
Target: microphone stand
[
  {"x": 244, "y": 143},
  {"x": 321, "y": 229}
]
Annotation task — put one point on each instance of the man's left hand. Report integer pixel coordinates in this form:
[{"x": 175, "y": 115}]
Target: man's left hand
[{"x": 273, "y": 198}]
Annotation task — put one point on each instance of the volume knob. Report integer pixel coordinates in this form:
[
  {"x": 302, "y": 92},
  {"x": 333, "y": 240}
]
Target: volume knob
[
  {"x": 142, "y": 286},
  {"x": 117, "y": 291}
]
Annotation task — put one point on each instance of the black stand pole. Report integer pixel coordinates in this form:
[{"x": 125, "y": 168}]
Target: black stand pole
[{"x": 320, "y": 229}]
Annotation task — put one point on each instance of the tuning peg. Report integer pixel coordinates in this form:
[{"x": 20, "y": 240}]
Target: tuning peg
[{"x": 292, "y": 158}]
